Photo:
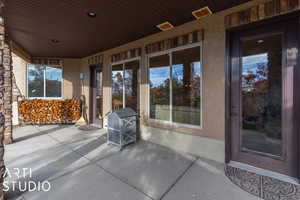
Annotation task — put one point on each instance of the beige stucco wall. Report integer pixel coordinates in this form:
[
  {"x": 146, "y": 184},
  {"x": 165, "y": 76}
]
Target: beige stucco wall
[
  {"x": 208, "y": 141},
  {"x": 213, "y": 70},
  {"x": 20, "y": 59},
  {"x": 71, "y": 81},
  {"x": 19, "y": 71},
  {"x": 19, "y": 87}
]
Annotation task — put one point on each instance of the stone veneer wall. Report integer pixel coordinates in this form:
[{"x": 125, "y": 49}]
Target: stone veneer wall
[
  {"x": 2, "y": 94},
  {"x": 7, "y": 95},
  {"x": 261, "y": 11},
  {"x": 129, "y": 54},
  {"x": 190, "y": 38},
  {"x": 7, "y": 104},
  {"x": 95, "y": 60}
]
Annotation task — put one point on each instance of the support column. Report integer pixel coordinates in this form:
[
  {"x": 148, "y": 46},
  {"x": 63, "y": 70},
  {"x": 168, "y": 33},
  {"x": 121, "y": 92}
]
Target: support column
[
  {"x": 7, "y": 65},
  {"x": 2, "y": 109}
]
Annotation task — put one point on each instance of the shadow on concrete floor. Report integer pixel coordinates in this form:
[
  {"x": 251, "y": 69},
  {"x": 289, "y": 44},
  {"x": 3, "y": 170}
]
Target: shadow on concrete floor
[
  {"x": 46, "y": 172},
  {"x": 40, "y": 133}
]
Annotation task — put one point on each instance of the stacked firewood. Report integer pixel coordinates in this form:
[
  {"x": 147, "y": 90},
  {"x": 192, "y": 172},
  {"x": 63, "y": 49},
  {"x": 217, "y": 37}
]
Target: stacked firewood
[{"x": 40, "y": 111}]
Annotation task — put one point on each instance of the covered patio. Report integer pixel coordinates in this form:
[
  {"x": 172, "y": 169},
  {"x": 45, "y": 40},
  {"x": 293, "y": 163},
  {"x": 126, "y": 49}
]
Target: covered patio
[
  {"x": 80, "y": 165},
  {"x": 214, "y": 85}
]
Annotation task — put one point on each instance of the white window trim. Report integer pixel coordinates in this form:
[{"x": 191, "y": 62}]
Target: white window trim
[
  {"x": 49, "y": 98},
  {"x": 123, "y": 62},
  {"x": 169, "y": 52}
]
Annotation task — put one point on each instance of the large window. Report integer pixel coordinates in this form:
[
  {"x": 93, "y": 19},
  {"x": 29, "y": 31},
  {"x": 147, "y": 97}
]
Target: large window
[
  {"x": 125, "y": 85},
  {"x": 160, "y": 87},
  {"x": 117, "y": 87},
  {"x": 175, "y": 86},
  {"x": 44, "y": 81}
]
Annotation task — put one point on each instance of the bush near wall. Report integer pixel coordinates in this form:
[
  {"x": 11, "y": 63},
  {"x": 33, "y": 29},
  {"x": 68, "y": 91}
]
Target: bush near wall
[{"x": 40, "y": 111}]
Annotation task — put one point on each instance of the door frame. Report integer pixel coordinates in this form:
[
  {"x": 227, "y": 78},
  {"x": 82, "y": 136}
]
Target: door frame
[
  {"x": 296, "y": 72},
  {"x": 93, "y": 81}
]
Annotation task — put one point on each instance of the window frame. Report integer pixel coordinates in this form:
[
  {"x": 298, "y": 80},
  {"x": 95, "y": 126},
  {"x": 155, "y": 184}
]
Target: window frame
[
  {"x": 44, "y": 97},
  {"x": 169, "y": 52},
  {"x": 123, "y": 62}
]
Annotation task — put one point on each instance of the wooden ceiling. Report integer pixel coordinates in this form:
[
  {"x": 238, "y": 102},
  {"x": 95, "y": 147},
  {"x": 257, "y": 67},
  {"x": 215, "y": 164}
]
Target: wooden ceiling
[{"x": 34, "y": 23}]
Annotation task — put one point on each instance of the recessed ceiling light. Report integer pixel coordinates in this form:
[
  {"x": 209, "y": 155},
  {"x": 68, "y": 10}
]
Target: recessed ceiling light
[
  {"x": 55, "y": 41},
  {"x": 260, "y": 41},
  {"x": 91, "y": 14},
  {"x": 165, "y": 26},
  {"x": 202, "y": 12}
]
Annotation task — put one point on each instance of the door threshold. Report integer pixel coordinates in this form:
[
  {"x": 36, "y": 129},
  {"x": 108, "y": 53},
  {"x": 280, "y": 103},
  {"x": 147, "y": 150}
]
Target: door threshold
[{"x": 264, "y": 172}]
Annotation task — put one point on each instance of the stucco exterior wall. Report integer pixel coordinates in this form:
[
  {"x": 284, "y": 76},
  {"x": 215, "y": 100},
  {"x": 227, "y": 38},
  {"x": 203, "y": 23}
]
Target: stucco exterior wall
[
  {"x": 71, "y": 81},
  {"x": 212, "y": 133},
  {"x": 19, "y": 71},
  {"x": 213, "y": 100},
  {"x": 19, "y": 87},
  {"x": 213, "y": 67}
]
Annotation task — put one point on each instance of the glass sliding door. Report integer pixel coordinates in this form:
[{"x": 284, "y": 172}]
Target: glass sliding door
[
  {"x": 131, "y": 85},
  {"x": 186, "y": 86},
  {"x": 117, "y": 86},
  {"x": 97, "y": 95},
  {"x": 175, "y": 86},
  {"x": 125, "y": 85},
  {"x": 159, "y": 80}
]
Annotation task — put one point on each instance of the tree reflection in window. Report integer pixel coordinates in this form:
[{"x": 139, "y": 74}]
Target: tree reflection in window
[
  {"x": 125, "y": 85},
  {"x": 131, "y": 85},
  {"x": 53, "y": 81},
  {"x": 261, "y": 90},
  {"x": 159, "y": 78},
  {"x": 117, "y": 87},
  {"x": 255, "y": 72},
  {"x": 35, "y": 81},
  {"x": 186, "y": 86},
  {"x": 44, "y": 81},
  {"x": 180, "y": 100}
]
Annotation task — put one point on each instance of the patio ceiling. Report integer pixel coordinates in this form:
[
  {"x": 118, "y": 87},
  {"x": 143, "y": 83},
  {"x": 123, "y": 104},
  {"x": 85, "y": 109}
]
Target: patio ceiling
[{"x": 61, "y": 28}]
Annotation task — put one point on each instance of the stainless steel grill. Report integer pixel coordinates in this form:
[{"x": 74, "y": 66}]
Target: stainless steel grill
[{"x": 122, "y": 128}]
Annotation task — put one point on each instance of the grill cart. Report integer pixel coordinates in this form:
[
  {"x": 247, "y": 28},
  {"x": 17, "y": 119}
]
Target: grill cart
[{"x": 122, "y": 127}]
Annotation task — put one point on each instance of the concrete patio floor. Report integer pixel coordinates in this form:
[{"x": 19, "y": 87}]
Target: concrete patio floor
[{"x": 79, "y": 165}]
